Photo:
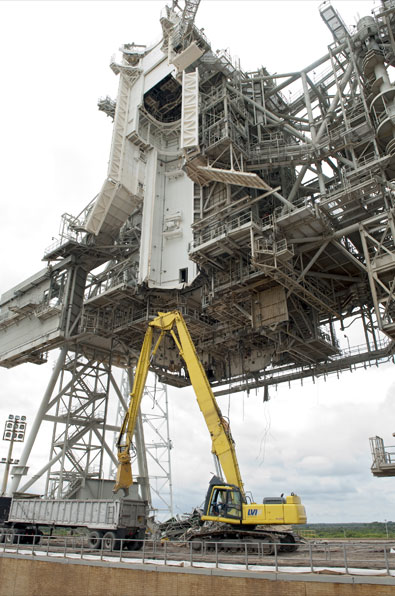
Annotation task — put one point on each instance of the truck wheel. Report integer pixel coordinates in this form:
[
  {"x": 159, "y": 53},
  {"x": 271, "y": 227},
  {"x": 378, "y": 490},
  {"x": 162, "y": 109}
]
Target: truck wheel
[
  {"x": 95, "y": 539},
  {"x": 135, "y": 545},
  {"x": 137, "y": 540},
  {"x": 10, "y": 536},
  {"x": 110, "y": 541},
  {"x": 15, "y": 536},
  {"x": 37, "y": 537},
  {"x": 29, "y": 537}
]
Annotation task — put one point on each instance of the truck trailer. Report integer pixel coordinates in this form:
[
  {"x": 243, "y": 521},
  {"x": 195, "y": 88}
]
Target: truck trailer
[{"x": 108, "y": 520}]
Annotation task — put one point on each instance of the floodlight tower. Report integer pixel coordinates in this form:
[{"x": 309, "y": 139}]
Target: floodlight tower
[{"x": 14, "y": 431}]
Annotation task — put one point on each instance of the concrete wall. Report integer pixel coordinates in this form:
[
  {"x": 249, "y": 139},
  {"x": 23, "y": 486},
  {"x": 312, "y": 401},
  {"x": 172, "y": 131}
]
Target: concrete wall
[{"x": 21, "y": 576}]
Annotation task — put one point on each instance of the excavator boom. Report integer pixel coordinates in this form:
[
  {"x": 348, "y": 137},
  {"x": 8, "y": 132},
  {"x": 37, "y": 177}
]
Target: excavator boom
[
  {"x": 124, "y": 477},
  {"x": 222, "y": 442}
]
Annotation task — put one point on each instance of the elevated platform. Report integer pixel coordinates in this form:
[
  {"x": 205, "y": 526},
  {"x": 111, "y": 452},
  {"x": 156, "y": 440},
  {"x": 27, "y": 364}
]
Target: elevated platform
[{"x": 383, "y": 458}]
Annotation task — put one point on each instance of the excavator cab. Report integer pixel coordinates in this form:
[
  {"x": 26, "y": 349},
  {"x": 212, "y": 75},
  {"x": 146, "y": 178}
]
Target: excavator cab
[{"x": 223, "y": 502}]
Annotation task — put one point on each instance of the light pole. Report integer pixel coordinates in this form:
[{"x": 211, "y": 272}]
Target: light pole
[
  {"x": 14, "y": 431},
  {"x": 386, "y": 527}
]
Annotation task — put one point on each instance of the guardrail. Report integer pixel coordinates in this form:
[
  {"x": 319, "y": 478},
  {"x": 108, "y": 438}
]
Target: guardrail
[{"x": 359, "y": 558}]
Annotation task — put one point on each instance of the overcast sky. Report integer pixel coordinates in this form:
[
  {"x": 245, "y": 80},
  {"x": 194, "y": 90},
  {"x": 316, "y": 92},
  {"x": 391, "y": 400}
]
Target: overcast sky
[{"x": 54, "y": 147}]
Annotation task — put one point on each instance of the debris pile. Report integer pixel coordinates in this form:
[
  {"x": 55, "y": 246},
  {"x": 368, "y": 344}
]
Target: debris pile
[{"x": 176, "y": 527}]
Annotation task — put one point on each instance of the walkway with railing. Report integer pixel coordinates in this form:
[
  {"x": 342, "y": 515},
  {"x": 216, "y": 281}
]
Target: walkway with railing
[{"x": 366, "y": 558}]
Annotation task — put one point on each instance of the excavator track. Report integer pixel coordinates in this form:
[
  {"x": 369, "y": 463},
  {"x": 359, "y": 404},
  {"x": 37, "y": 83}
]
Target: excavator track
[{"x": 256, "y": 541}]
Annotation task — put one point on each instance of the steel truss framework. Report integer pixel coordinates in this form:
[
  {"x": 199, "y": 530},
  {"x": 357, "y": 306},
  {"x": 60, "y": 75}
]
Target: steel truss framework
[
  {"x": 76, "y": 402},
  {"x": 157, "y": 443},
  {"x": 155, "y": 419},
  {"x": 293, "y": 216},
  {"x": 78, "y": 438},
  {"x": 81, "y": 434}
]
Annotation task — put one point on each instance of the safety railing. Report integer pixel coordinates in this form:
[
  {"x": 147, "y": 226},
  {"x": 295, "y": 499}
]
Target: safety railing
[
  {"x": 382, "y": 454},
  {"x": 71, "y": 229},
  {"x": 359, "y": 557},
  {"x": 121, "y": 275},
  {"x": 242, "y": 222}
]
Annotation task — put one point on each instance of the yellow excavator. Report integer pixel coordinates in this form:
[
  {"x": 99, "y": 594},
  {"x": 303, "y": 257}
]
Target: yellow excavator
[{"x": 226, "y": 501}]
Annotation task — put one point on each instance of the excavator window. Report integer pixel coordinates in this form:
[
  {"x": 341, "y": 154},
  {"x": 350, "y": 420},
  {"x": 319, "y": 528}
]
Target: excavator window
[{"x": 225, "y": 502}]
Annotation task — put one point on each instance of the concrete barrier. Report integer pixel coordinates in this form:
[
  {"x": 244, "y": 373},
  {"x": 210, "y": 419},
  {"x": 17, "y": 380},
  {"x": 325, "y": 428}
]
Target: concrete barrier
[{"x": 24, "y": 576}]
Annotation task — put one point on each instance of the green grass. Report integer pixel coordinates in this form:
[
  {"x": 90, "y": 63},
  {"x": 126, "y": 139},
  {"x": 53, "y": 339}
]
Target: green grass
[{"x": 354, "y": 530}]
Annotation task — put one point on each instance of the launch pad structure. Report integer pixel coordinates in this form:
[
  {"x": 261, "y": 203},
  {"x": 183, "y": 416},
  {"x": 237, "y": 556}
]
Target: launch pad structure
[{"x": 259, "y": 205}]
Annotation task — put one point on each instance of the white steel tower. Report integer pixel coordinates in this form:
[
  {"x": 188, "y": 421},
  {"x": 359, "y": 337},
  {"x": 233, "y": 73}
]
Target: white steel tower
[{"x": 264, "y": 213}]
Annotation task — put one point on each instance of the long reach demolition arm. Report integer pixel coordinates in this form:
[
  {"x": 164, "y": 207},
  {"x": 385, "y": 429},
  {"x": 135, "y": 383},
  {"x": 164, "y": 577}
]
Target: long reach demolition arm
[{"x": 222, "y": 442}]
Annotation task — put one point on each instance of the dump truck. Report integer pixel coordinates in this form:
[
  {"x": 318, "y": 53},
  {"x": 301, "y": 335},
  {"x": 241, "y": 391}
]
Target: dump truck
[{"x": 22, "y": 520}]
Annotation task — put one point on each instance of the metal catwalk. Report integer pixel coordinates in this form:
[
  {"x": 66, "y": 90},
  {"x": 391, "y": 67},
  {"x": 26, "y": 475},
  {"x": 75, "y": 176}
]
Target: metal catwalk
[{"x": 260, "y": 205}]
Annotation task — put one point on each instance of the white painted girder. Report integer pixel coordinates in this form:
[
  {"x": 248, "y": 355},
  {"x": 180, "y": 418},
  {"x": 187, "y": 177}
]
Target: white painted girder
[
  {"x": 247, "y": 179},
  {"x": 115, "y": 202},
  {"x": 112, "y": 208}
]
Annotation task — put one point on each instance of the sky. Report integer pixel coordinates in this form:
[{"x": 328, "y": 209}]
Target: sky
[{"x": 311, "y": 439}]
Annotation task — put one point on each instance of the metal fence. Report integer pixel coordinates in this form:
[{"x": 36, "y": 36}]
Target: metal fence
[{"x": 359, "y": 557}]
